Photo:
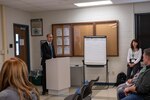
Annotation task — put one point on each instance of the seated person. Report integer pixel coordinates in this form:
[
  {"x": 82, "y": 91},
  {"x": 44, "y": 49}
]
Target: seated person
[
  {"x": 133, "y": 59},
  {"x": 14, "y": 83},
  {"x": 141, "y": 89},
  {"x": 128, "y": 83}
]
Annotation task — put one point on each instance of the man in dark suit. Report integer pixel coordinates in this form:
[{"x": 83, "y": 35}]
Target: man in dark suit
[{"x": 47, "y": 53}]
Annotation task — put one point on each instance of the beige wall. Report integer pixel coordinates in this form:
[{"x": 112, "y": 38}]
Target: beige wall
[
  {"x": 11, "y": 16},
  {"x": 18, "y": 17},
  {"x": 123, "y": 13}
]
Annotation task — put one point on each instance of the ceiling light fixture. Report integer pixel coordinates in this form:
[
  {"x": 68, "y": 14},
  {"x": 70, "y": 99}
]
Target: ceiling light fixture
[{"x": 94, "y": 3}]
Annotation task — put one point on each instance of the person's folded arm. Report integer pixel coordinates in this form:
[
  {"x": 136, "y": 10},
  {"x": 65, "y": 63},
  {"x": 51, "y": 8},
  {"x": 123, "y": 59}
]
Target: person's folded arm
[
  {"x": 132, "y": 88},
  {"x": 139, "y": 56}
]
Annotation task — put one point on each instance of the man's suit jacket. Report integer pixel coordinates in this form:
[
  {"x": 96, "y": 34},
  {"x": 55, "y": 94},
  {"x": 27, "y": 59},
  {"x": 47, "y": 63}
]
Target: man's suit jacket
[{"x": 46, "y": 52}]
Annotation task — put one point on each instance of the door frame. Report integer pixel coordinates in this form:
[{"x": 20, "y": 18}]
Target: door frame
[{"x": 28, "y": 42}]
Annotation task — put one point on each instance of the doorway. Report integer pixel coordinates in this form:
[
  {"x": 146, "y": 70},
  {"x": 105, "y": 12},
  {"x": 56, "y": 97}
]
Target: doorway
[
  {"x": 142, "y": 29},
  {"x": 21, "y": 43}
]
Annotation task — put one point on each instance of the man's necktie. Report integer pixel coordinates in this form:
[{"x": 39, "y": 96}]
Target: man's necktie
[{"x": 51, "y": 50}]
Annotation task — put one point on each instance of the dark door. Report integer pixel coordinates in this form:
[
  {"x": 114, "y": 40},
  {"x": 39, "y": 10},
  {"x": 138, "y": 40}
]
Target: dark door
[
  {"x": 142, "y": 29},
  {"x": 21, "y": 42}
]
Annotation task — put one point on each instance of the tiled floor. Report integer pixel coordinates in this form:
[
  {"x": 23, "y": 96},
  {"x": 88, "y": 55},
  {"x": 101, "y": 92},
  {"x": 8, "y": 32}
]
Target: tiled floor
[{"x": 98, "y": 94}]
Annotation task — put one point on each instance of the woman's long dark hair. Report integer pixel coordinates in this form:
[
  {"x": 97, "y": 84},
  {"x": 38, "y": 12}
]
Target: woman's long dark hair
[{"x": 131, "y": 45}]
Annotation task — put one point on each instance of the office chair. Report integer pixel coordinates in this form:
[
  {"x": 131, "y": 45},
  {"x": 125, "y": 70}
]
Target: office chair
[{"x": 83, "y": 93}]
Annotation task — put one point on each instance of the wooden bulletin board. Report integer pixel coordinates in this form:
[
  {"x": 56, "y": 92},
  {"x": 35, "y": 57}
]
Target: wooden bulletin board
[
  {"x": 109, "y": 29},
  {"x": 79, "y": 31}
]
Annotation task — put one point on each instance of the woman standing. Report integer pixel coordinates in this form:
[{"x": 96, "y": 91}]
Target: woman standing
[
  {"x": 14, "y": 83},
  {"x": 133, "y": 59}
]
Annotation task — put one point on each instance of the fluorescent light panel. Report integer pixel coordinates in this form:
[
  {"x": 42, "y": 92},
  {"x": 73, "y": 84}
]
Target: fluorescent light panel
[{"x": 94, "y": 3}]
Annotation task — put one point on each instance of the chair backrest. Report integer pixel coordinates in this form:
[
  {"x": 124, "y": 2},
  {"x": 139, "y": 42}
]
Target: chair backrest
[
  {"x": 77, "y": 97},
  {"x": 83, "y": 92},
  {"x": 87, "y": 88}
]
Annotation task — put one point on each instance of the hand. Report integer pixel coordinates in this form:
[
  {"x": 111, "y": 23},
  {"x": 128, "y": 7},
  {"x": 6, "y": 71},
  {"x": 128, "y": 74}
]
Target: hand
[
  {"x": 126, "y": 91},
  {"x": 129, "y": 81},
  {"x": 131, "y": 64}
]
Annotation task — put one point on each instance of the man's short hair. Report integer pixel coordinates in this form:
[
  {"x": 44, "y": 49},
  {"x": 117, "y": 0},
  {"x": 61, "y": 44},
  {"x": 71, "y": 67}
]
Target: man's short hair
[
  {"x": 147, "y": 52},
  {"x": 48, "y": 34}
]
